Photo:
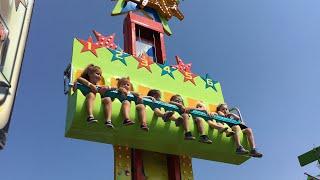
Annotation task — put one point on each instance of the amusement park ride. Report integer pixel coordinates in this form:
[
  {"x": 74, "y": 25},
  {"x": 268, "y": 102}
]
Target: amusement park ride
[
  {"x": 162, "y": 152},
  {"x": 15, "y": 16}
]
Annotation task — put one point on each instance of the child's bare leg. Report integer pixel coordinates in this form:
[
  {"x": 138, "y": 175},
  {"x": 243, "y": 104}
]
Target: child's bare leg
[
  {"x": 89, "y": 102},
  {"x": 215, "y": 125},
  {"x": 248, "y": 132},
  {"x": 200, "y": 127},
  {"x": 158, "y": 112},
  {"x": 141, "y": 113},
  {"x": 185, "y": 118},
  {"x": 107, "y": 104},
  {"x": 125, "y": 109},
  {"x": 236, "y": 136}
]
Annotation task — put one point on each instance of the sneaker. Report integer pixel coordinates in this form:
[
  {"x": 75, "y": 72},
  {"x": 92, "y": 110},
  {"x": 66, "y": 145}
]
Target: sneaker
[
  {"x": 144, "y": 127},
  {"x": 188, "y": 136},
  {"x": 109, "y": 124},
  {"x": 127, "y": 122},
  {"x": 91, "y": 120},
  {"x": 241, "y": 151},
  {"x": 167, "y": 115},
  {"x": 255, "y": 153},
  {"x": 205, "y": 139}
]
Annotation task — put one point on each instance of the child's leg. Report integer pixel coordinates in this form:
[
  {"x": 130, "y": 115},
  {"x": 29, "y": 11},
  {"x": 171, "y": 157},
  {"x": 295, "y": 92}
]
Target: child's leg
[
  {"x": 158, "y": 112},
  {"x": 141, "y": 109},
  {"x": 236, "y": 136},
  {"x": 125, "y": 109},
  {"x": 187, "y": 134},
  {"x": 199, "y": 123},
  {"x": 107, "y": 107},
  {"x": 203, "y": 137},
  {"x": 254, "y": 153},
  {"x": 89, "y": 102},
  {"x": 248, "y": 132},
  {"x": 185, "y": 118},
  {"x": 213, "y": 124}
]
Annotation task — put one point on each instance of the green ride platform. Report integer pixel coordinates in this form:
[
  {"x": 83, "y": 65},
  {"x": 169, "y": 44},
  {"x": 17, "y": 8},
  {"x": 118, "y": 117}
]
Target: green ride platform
[{"x": 163, "y": 137}]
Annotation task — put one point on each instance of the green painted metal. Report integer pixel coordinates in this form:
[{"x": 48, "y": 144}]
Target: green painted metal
[
  {"x": 152, "y": 170},
  {"x": 310, "y": 156},
  {"x": 118, "y": 7},
  {"x": 163, "y": 137}
]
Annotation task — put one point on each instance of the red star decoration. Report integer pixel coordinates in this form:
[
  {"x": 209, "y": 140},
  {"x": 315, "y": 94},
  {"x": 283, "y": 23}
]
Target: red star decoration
[
  {"x": 181, "y": 66},
  {"x": 89, "y": 46},
  {"x": 185, "y": 69},
  {"x": 105, "y": 41},
  {"x": 145, "y": 61}
]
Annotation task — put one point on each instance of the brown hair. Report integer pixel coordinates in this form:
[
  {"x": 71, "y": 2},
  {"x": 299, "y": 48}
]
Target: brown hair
[
  {"x": 176, "y": 97},
  {"x": 124, "y": 80},
  {"x": 91, "y": 68},
  {"x": 154, "y": 92}
]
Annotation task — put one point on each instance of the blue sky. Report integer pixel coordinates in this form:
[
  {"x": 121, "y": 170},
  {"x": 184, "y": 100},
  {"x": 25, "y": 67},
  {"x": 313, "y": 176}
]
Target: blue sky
[{"x": 264, "y": 53}]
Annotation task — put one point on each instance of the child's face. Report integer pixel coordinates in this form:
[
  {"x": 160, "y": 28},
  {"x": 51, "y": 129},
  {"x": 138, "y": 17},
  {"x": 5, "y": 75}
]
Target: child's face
[
  {"x": 200, "y": 106},
  {"x": 95, "y": 76},
  {"x": 178, "y": 99},
  {"x": 157, "y": 96},
  {"x": 224, "y": 109},
  {"x": 126, "y": 85}
]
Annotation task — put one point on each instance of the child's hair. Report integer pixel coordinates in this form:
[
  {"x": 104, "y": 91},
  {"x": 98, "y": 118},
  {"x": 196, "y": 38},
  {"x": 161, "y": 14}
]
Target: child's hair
[
  {"x": 154, "y": 92},
  {"x": 177, "y": 98},
  {"x": 220, "y": 105},
  {"x": 200, "y": 103},
  {"x": 91, "y": 68},
  {"x": 124, "y": 80}
]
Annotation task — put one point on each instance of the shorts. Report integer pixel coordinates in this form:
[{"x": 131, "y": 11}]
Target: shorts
[
  {"x": 242, "y": 126},
  {"x": 85, "y": 90}
]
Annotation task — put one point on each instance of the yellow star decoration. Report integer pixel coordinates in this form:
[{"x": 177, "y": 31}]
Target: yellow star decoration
[
  {"x": 23, "y": 2},
  {"x": 166, "y": 8}
]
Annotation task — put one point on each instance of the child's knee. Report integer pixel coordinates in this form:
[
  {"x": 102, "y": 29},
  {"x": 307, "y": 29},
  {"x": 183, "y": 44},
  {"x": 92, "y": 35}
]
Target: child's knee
[
  {"x": 125, "y": 103},
  {"x": 185, "y": 116},
  {"x": 248, "y": 131},
  {"x": 91, "y": 95},
  {"x": 106, "y": 100},
  {"x": 140, "y": 107},
  {"x": 236, "y": 128}
]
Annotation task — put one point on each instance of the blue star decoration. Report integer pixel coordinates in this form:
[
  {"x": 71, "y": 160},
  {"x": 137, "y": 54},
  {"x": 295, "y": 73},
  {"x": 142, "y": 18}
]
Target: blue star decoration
[
  {"x": 167, "y": 69},
  {"x": 209, "y": 82},
  {"x": 119, "y": 55}
]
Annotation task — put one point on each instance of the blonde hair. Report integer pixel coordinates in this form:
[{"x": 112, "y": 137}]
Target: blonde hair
[{"x": 124, "y": 80}]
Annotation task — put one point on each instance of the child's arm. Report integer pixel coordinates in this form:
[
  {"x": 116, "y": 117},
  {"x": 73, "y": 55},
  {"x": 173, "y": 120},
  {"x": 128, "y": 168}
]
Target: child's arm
[
  {"x": 180, "y": 106},
  {"x": 221, "y": 114},
  {"x": 150, "y": 97},
  {"x": 87, "y": 83},
  {"x": 234, "y": 116}
]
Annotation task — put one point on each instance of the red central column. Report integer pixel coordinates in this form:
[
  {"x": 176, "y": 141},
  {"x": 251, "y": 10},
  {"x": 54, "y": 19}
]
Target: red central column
[{"x": 142, "y": 34}]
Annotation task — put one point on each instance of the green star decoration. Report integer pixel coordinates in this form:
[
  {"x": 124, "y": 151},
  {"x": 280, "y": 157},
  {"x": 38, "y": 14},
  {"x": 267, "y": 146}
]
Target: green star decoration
[
  {"x": 119, "y": 55},
  {"x": 166, "y": 69},
  {"x": 210, "y": 82}
]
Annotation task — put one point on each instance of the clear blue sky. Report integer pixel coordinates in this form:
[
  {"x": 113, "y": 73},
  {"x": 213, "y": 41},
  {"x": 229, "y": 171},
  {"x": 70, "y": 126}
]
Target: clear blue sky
[{"x": 266, "y": 54}]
